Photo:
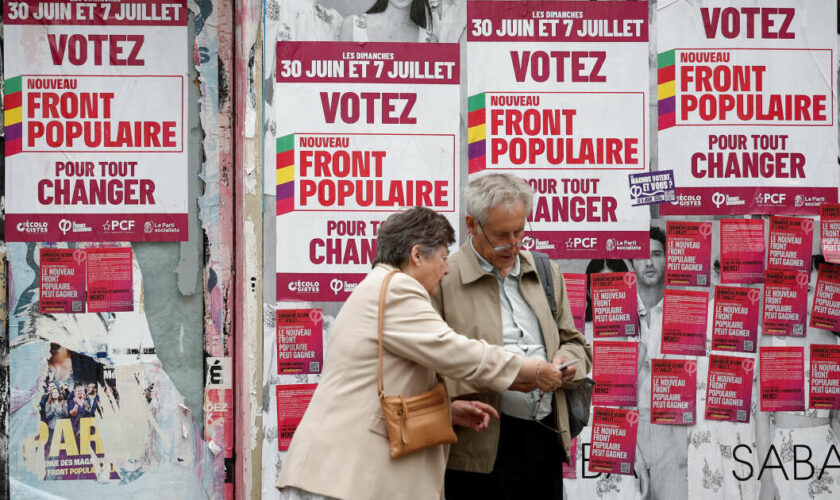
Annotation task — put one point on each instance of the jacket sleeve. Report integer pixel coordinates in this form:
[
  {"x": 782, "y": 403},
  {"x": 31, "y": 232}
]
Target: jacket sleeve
[
  {"x": 414, "y": 330},
  {"x": 572, "y": 342}
]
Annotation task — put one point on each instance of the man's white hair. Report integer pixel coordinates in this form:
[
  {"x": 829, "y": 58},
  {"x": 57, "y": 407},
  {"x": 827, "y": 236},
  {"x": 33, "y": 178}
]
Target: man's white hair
[{"x": 492, "y": 190}]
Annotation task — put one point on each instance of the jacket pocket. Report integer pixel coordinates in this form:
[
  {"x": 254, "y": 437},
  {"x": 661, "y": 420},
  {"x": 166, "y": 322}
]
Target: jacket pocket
[{"x": 377, "y": 425}]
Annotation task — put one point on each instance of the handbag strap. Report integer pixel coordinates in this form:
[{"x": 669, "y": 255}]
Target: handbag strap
[{"x": 380, "y": 387}]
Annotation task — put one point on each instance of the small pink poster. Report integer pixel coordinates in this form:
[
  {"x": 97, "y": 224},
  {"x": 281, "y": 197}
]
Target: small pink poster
[
  {"x": 570, "y": 469},
  {"x": 830, "y": 231},
  {"x": 615, "y": 365},
  {"x": 62, "y": 280},
  {"x": 729, "y": 388},
  {"x": 613, "y": 448},
  {"x": 576, "y": 291},
  {"x": 673, "y": 393},
  {"x": 614, "y": 305},
  {"x": 300, "y": 341},
  {"x": 688, "y": 256},
  {"x": 825, "y": 377},
  {"x": 292, "y": 401},
  {"x": 735, "y": 326},
  {"x": 785, "y": 302},
  {"x": 825, "y": 310},
  {"x": 684, "y": 314},
  {"x": 782, "y": 372},
  {"x": 741, "y": 251},
  {"x": 110, "y": 276},
  {"x": 790, "y": 243}
]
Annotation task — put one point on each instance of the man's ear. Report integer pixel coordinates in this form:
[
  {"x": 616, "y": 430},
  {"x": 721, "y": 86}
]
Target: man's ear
[{"x": 472, "y": 224}]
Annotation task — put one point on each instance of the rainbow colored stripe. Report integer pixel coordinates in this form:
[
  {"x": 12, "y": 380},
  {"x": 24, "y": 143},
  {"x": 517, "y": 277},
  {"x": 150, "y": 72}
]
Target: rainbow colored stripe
[
  {"x": 666, "y": 89},
  {"x": 12, "y": 103},
  {"x": 285, "y": 174},
  {"x": 476, "y": 133}
]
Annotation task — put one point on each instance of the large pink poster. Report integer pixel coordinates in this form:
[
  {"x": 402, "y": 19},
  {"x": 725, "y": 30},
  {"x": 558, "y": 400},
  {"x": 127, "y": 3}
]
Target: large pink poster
[
  {"x": 785, "y": 302},
  {"x": 614, "y": 433},
  {"x": 825, "y": 310},
  {"x": 292, "y": 401},
  {"x": 684, "y": 322},
  {"x": 830, "y": 231},
  {"x": 62, "y": 280},
  {"x": 300, "y": 343},
  {"x": 742, "y": 251},
  {"x": 673, "y": 394},
  {"x": 614, "y": 304},
  {"x": 689, "y": 253},
  {"x": 729, "y": 388},
  {"x": 614, "y": 371},
  {"x": 791, "y": 239},
  {"x": 825, "y": 377},
  {"x": 735, "y": 326},
  {"x": 110, "y": 273},
  {"x": 782, "y": 372}
]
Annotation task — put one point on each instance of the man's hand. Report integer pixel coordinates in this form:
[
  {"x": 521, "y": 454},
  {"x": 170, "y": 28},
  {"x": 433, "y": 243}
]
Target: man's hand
[
  {"x": 473, "y": 414},
  {"x": 570, "y": 371}
]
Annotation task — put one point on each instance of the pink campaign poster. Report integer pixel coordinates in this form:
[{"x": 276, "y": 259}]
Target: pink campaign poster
[
  {"x": 615, "y": 372},
  {"x": 576, "y": 290},
  {"x": 62, "y": 281},
  {"x": 825, "y": 310},
  {"x": 673, "y": 394},
  {"x": 830, "y": 231},
  {"x": 684, "y": 315},
  {"x": 109, "y": 280},
  {"x": 735, "y": 326},
  {"x": 614, "y": 434},
  {"x": 790, "y": 243},
  {"x": 785, "y": 302},
  {"x": 782, "y": 378},
  {"x": 614, "y": 305},
  {"x": 292, "y": 401},
  {"x": 300, "y": 342},
  {"x": 688, "y": 256},
  {"x": 741, "y": 251},
  {"x": 570, "y": 469},
  {"x": 825, "y": 377},
  {"x": 729, "y": 388}
]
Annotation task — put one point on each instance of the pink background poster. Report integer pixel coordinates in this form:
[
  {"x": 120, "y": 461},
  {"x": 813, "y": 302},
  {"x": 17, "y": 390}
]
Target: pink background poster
[
  {"x": 742, "y": 250},
  {"x": 729, "y": 388},
  {"x": 614, "y": 433},
  {"x": 825, "y": 310},
  {"x": 576, "y": 290},
  {"x": 673, "y": 395},
  {"x": 684, "y": 322},
  {"x": 615, "y": 372},
  {"x": 830, "y": 231},
  {"x": 570, "y": 469},
  {"x": 825, "y": 377},
  {"x": 614, "y": 304},
  {"x": 689, "y": 253},
  {"x": 292, "y": 401},
  {"x": 299, "y": 341},
  {"x": 109, "y": 279},
  {"x": 782, "y": 371},
  {"x": 785, "y": 302},
  {"x": 62, "y": 280},
  {"x": 735, "y": 323},
  {"x": 790, "y": 243}
]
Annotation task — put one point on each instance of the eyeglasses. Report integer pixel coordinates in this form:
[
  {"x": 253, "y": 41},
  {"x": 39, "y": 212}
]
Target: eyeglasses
[
  {"x": 535, "y": 411},
  {"x": 525, "y": 241}
]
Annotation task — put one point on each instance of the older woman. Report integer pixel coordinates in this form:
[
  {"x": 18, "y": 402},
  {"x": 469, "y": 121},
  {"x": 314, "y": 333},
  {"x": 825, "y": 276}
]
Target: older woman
[{"x": 341, "y": 447}]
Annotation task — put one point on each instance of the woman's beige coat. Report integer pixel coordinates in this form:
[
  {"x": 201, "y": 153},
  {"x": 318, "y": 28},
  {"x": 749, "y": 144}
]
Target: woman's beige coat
[{"x": 341, "y": 447}]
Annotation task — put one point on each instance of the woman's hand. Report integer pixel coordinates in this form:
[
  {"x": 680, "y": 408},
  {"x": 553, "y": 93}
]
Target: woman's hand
[{"x": 473, "y": 414}]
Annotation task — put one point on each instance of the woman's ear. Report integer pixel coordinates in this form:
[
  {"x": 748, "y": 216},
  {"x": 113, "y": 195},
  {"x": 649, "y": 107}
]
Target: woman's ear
[{"x": 415, "y": 255}]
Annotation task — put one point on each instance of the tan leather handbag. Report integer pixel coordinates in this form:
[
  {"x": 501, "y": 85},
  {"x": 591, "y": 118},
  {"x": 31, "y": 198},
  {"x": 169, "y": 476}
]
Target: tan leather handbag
[{"x": 418, "y": 421}]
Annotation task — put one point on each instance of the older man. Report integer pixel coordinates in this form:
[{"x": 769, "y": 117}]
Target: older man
[{"x": 493, "y": 293}]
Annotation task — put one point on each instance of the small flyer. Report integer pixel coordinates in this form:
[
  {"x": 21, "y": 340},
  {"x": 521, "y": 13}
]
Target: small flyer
[
  {"x": 292, "y": 401},
  {"x": 735, "y": 326},
  {"x": 576, "y": 291},
  {"x": 570, "y": 469},
  {"x": 649, "y": 188},
  {"x": 825, "y": 310},
  {"x": 825, "y": 377},
  {"x": 791, "y": 240},
  {"x": 109, "y": 279},
  {"x": 782, "y": 376},
  {"x": 62, "y": 281},
  {"x": 741, "y": 251},
  {"x": 729, "y": 388},
  {"x": 300, "y": 341},
  {"x": 614, "y": 434},
  {"x": 673, "y": 393},
  {"x": 615, "y": 365},
  {"x": 614, "y": 305},
  {"x": 688, "y": 256},
  {"x": 830, "y": 231},
  {"x": 684, "y": 314},
  {"x": 785, "y": 302}
]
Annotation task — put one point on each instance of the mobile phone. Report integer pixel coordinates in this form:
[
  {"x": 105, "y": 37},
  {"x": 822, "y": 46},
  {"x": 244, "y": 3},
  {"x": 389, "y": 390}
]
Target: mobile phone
[{"x": 567, "y": 364}]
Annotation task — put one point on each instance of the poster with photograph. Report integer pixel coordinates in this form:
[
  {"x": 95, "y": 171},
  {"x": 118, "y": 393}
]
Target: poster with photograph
[
  {"x": 791, "y": 241},
  {"x": 782, "y": 377},
  {"x": 62, "y": 281},
  {"x": 729, "y": 388},
  {"x": 110, "y": 279},
  {"x": 684, "y": 315},
  {"x": 673, "y": 394},
  {"x": 830, "y": 231},
  {"x": 363, "y": 131},
  {"x": 688, "y": 256},
  {"x": 96, "y": 125},
  {"x": 735, "y": 326},
  {"x": 614, "y": 304},
  {"x": 785, "y": 302},
  {"x": 292, "y": 401},
  {"x": 614, "y": 370},
  {"x": 825, "y": 377},
  {"x": 558, "y": 94},
  {"x": 825, "y": 310},
  {"x": 741, "y": 251},
  {"x": 300, "y": 341},
  {"x": 746, "y": 112},
  {"x": 576, "y": 291},
  {"x": 614, "y": 433}
]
